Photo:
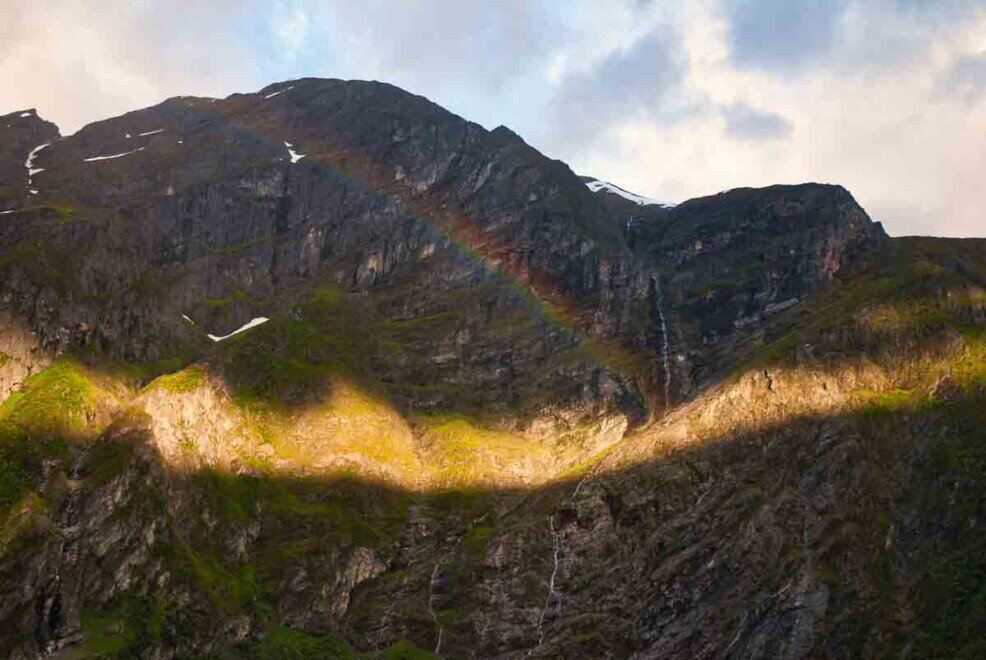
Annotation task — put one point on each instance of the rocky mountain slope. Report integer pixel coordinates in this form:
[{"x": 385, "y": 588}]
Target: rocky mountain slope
[{"x": 327, "y": 371}]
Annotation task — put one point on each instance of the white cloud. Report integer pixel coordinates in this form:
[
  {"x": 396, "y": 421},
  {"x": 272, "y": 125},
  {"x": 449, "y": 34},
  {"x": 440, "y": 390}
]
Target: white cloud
[
  {"x": 80, "y": 61},
  {"x": 909, "y": 153},
  {"x": 290, "y": 26},
  {"x": 966, "y": 77}
]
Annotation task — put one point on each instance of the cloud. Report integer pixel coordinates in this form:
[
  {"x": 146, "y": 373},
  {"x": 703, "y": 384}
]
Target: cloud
[
  {"x": 782, "y": 35},
  {"x": 429, "y": 39},
  {"x": 746, "y": 123},
  {"x": 79, "y": 61},
  {"x": 641, "y": 83},
  {"x": 290, "y": 26},
  {"x": 856, "y": 37},
  {"x": 911, "y": 155},
  {"x": 966, "y": 77}
]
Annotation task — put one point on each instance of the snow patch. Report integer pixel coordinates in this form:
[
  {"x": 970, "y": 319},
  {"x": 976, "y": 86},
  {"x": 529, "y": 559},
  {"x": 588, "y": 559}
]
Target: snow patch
[
  {"x": 188, "y": 319},
  {"x": 596, "y": 186},
  {"x": 160, "y": 130},
  {"x": 270, "y": 96},
  {"x": 253, "y": 323},
  {"x": 33, "y": 192},
  {"x": 92, "y": 160},
  {"x": 7, "y": 212},
  {"x": 25, "y": 114},
  {"x": 29, "y": 163},
  {"x": 295, "y": 157}
]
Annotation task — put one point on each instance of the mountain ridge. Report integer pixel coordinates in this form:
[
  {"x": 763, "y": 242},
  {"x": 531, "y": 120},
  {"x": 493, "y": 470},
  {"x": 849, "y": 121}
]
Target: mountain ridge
[{"x": 483, "y": 397}]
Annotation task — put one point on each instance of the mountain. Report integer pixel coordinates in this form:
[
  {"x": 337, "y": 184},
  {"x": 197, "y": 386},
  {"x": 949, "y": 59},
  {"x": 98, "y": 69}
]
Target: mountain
[{"x": 328, "y": 371}]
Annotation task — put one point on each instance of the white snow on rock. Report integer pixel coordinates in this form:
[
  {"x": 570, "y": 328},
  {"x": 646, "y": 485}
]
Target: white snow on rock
[
  {"x": 29, "y": 163},
  {"x": 33, "y": 192},
  {"x": 160, "y": 130},
  {"x": 92, "y": 160},
  {"x": 6, "y": 212},
  {"x": 188, "y": 319},
  {"x": 25, "y": 114},
  {"x": 270, "y": 96},
  {"x": 253, "y": 323},
  {"x": 295, "y": 157},
  {"x": 596, "y": 186}
]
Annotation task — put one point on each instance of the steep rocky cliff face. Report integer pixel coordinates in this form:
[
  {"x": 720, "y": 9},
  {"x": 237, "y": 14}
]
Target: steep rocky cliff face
[
  {"x": 480, "y": 409},
  {"x": 727, "y": 263}
]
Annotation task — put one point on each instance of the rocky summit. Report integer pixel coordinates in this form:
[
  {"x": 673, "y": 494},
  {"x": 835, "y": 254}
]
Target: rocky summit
[{"x": 328, "y": 371}]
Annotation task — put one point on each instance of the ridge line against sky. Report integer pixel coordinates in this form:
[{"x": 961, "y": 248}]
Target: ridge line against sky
[{"x": 670, "y": 100}]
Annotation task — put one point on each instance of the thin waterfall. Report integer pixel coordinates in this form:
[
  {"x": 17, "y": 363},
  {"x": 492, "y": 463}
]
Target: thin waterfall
[
  {"x": 665, "y": 344},
  {"x": 552, "y": 592},
  {"x": 557, "y": 555},
  {"x": 431, "y": 607}
]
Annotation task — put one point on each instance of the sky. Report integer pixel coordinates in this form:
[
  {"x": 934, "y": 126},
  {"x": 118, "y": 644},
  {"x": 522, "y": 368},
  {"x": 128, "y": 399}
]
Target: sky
[{"x": 671, "y": 100}]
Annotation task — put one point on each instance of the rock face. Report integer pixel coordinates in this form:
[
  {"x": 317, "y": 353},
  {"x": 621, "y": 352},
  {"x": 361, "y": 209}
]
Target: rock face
[
  {"x": 728, "y": 262},
  {"x": 481, "y": 409},
  {"x": 24, "y": 136}
]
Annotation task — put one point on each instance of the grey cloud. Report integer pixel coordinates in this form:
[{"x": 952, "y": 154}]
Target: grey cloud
[
  {"x": 946, "y": 10},
  {"x": 744, "y": 122},
  {"x": 782, "y": 35},
  {"x": 640, "y": 82},
  {"x": 422, "y": 39},
  {"x": 482, "y": 61},
  {"x": 788, "y": 37},
  {"x": 966, "y": 78}
]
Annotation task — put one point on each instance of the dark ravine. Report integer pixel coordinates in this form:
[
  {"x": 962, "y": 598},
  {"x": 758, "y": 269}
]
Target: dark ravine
[{"x": 491, "y": 413}]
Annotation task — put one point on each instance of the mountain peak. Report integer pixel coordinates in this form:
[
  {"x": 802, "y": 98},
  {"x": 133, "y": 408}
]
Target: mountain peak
[{"x": 281, "y": 372}]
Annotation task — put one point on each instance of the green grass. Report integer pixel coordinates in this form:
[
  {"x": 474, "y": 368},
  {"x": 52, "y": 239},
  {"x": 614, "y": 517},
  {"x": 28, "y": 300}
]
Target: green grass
[
  {"x": 37, "y": 424},
  {"x": 240, "y": 247},
  {"x": 888, "y": 401},
  {"x": 106, "y": 460},
  {"x": 130, "y": 627},
  {"x": 405, "y": 650},
  {"x": 52, "y": 401},
  {"x": 230, "y": 589},
  {"x": 465, "y": 453},
  {"x": 182, "y": 382},
  {"x": 291, "y": 360},
  {"x": 953, "y": 597},
  {"x": 476, "y": 540},
  {"x": 44, "y": 263},
  {"x": 105, "y": 633},
  {"x": 283, "y": 643},
  {"x": 351, "y": 511},
  {"x": 224, "y": 301}
]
